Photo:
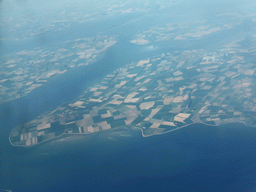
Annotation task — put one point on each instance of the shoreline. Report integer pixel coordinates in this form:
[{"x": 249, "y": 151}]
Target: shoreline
[
  {"x": 202, "y": 123},
  {"x": 134, "y": 127}
]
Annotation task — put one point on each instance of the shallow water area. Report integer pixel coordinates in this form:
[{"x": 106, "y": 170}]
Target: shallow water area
[{"x": 196, "y": 158}]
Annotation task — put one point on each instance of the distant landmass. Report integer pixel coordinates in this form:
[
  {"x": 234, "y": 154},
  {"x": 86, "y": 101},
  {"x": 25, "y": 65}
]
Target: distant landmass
[{"x": 117, "y": 95}]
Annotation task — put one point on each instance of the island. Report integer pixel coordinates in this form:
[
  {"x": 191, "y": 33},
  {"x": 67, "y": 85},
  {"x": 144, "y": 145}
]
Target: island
[{"x": 157, "y": 95}]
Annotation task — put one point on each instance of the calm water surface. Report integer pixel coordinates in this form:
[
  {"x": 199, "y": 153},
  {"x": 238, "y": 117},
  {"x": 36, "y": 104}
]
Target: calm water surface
[{"x": 196, "y": 158}]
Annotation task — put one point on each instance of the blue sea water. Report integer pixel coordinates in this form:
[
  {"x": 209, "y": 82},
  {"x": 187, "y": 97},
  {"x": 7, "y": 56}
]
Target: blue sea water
[{"x": 196, "y": 158}]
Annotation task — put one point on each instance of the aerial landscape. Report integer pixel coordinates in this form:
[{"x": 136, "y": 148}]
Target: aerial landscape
[
  {"x": 158, "y": 95},
  {"x": 119, "y": 95}
]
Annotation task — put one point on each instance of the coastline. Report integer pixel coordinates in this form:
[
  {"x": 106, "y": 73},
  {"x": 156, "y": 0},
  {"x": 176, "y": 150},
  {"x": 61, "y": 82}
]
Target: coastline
[
  {"x": 201, "y": 123},
  {"x": 134, "y": 127}
]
